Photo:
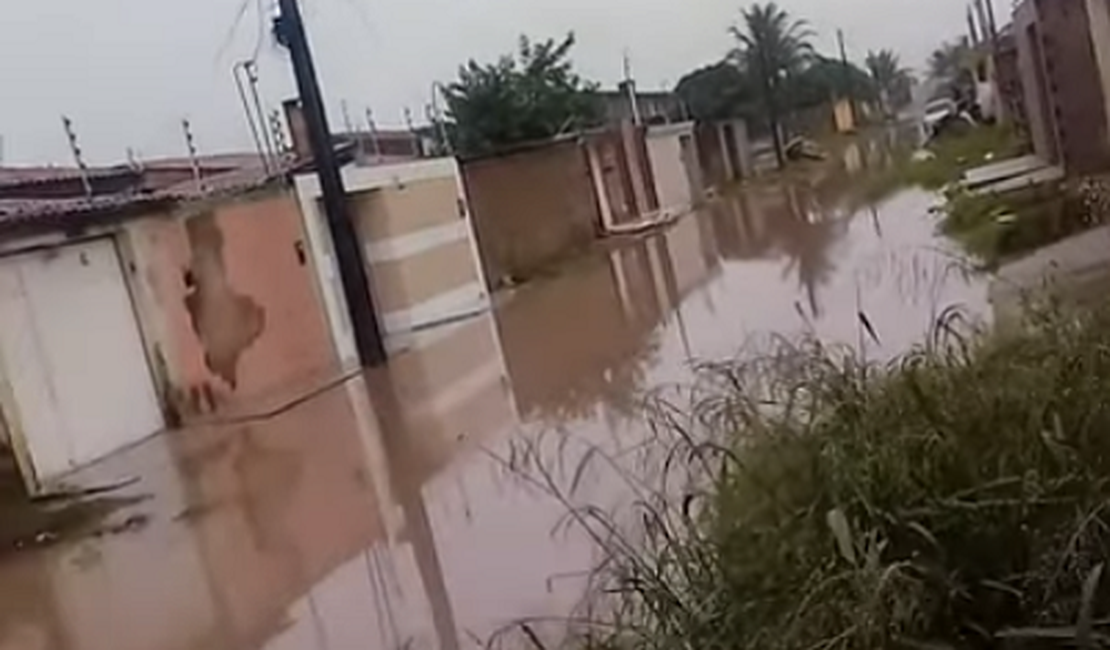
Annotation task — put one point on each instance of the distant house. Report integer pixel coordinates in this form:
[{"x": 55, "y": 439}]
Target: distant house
[
  {"x": 384, "y": 144},
  {"x": 374, "y": 146},
  {"x": 538, "y": 202},
  {"x": 653, "y": 107},
  {"x": 1063, "y": 58},
  {"x": 140, "y": 297}
]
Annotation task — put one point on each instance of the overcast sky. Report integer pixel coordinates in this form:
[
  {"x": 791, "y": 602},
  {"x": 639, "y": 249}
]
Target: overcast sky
[{"x": 128, "y": 71}]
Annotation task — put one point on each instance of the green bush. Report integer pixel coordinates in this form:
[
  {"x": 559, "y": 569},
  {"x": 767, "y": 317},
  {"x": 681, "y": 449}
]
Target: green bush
[{"x": 956, "y": 497}]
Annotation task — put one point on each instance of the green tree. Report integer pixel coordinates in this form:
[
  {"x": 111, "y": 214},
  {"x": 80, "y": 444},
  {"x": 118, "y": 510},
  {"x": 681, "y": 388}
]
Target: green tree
[
  {"x": 825, "y": 78},
  {"x": 893, "y": 81},
  {"x": 773, "y": 48},
  {"x": 532, "y": 96},
  {"x": 717, "y": 91},
  {"x": 949, "y": 59}
]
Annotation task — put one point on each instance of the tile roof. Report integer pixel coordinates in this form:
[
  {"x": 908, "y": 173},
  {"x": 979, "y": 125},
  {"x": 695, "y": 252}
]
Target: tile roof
[
  {"x": 12, "y": 176},
  {"x": 228, "y": 182},
  {"x": 221, "y": 175},
  {"x": 25, "y": 215},
  {"x": 225, "y": 161}
]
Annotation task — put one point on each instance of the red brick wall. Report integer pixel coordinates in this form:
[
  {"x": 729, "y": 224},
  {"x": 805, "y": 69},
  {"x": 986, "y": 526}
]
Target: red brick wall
[{"x": 531, "y": 208}]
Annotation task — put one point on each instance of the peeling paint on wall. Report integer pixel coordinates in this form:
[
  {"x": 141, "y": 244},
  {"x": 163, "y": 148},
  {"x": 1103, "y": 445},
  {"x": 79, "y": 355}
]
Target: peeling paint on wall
[{"x": 227, "y": 323}]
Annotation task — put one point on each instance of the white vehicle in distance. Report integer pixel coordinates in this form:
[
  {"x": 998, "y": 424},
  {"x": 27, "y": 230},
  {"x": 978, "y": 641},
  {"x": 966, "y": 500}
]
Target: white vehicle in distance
[{"x": 937, "y": 111}]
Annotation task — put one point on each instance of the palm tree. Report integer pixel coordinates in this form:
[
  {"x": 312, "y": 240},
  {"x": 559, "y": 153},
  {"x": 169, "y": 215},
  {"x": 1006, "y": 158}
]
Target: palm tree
[
  {"x": 773, "y": 47},
  {"x": 889, "y": 75}
]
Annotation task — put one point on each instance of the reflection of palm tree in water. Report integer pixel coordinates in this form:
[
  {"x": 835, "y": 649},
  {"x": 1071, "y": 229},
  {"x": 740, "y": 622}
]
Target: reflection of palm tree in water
[{"x": 806, "y": 234}]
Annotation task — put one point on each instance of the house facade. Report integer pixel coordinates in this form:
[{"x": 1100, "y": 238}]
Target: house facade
[
  {"x": 146, "y": 301},
  {"x": 1063, "y": 58},
  {"x": 532, "y": 206},
  {"x": 652, "y": 107},
  {"x": 676, "y": 172},
  {"x": 149, "y": 304},
  {"x": 724, "y": 152}
]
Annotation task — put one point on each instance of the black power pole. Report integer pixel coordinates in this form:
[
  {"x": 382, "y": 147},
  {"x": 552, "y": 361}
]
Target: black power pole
[
  {"x": 289, "y": 28},
  {"x": 847, "y": 75}
]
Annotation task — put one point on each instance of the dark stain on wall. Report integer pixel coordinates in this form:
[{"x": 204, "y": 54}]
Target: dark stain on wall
[
  {"x": 226, "y": 322},
  {"x": 168, "y": 397}
]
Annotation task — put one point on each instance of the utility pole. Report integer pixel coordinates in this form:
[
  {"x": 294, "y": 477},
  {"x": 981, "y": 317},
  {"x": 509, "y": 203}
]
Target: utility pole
[
  {"x": 972, "y": 31},
  {"x": 844, "y": 60},
  {"x": 352, "y": 269},
  {"x": 630, "y": 87},
  {"x": 440, "y": 119},
  {"x": 847, "y": 74},
  {"x": 252, "y": 119},
  {"x": 251, "y": 68},
  {"x": 992, "y": 25}
]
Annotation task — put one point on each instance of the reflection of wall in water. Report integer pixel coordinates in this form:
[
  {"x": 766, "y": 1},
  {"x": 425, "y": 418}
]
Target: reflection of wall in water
[
  {"x": 305, "y": 531},
  {"x": 686, "y": 248},
  {"x": 568, "y": 342},
  {"x": 588, "y": 337}
]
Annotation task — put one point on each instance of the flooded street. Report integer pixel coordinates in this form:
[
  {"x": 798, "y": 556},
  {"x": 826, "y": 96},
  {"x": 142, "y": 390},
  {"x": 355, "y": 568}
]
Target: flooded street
[{"x": 394, "y": 511}]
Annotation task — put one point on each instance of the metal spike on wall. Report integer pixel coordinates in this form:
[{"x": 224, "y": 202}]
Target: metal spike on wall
[
  {"x": 370, "y": 124},
  {"x": 278, "y": 130},
  {"x": 412, "y": 131},
  {"x": 349, "y": 125},
  {"x": 190, "y": 143},
  {"x": 77, "y": 157},
  {"x": 135, "y": 159}
]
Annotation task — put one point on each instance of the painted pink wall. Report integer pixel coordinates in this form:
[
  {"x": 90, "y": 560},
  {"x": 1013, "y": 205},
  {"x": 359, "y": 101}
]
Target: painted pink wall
[{"x": 250, "y": 246}]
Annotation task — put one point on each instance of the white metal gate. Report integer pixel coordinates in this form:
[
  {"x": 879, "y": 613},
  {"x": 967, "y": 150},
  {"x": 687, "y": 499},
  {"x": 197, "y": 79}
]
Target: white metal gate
[
  {"x": 417, "y": 237},
  {"x": 78, "y": 380}
]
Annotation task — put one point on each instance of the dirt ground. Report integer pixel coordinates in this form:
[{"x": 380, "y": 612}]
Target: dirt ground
[{"x": 29, "y": 523}]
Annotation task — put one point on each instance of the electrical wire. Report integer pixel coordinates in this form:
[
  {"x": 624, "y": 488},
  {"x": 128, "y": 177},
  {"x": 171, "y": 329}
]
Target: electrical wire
[{"x": 229, "y": 38}]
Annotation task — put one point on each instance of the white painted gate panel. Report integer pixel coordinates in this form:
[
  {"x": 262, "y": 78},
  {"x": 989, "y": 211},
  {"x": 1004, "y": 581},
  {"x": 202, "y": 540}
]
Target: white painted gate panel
[
  {"x": 669, "y": 162},
  {"x": 404, "y": 259},
  {"x": 74, "y": 357}
]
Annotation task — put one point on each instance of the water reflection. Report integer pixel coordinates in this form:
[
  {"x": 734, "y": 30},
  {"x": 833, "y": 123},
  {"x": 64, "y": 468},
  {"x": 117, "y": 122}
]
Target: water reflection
[{"x": 390, "y": 512}]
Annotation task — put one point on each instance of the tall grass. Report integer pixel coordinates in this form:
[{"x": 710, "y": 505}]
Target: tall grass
[
  {"x": 997, "y": 227},
  {"x": 952, "y": 155},
  {"x": 957, "y": 497}
]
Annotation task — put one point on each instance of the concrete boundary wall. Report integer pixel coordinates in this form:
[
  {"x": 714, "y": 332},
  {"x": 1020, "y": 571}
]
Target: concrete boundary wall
[{"x": 415, "y": 228}]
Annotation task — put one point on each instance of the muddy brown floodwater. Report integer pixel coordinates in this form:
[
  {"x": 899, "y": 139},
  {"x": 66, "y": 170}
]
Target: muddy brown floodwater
[{"x": 395, "y": 511}]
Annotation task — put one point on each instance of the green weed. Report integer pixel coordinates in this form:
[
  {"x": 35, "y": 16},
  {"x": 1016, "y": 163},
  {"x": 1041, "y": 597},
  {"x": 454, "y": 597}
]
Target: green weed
[
  {"x": 956, "y": 497},
  {"x": 996, "y": 227},
  {"x": 953, "y": 155}
]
